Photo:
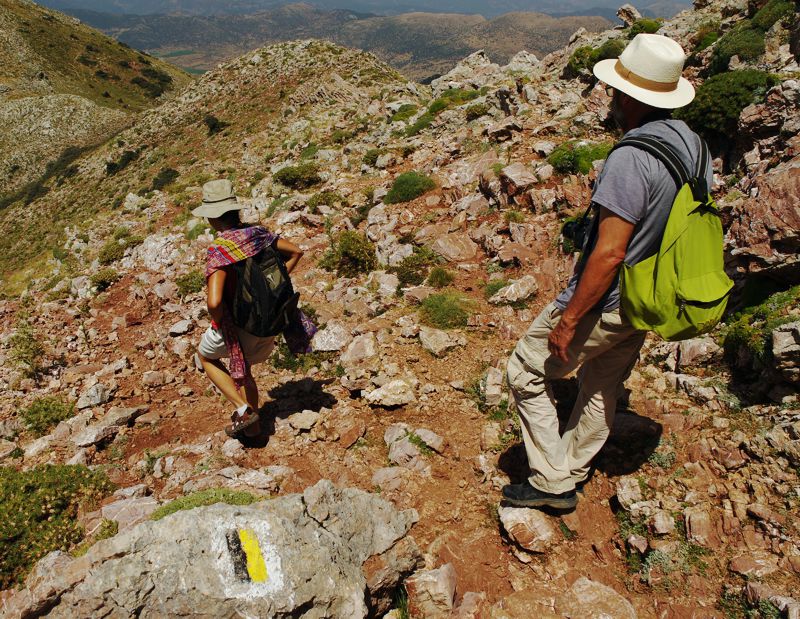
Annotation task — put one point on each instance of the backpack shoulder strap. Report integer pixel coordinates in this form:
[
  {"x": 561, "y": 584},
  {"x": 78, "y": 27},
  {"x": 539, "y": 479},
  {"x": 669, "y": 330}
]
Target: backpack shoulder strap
[{"x": 661, "y": 151}]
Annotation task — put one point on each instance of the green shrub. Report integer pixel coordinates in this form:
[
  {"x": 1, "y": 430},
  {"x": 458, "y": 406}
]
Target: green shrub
[
  {"x": 190, "y": 283},
  {"x": 114, "y": 248},
  {"x": 412, "y": 270},
  {"x": 299, "y": 176},
  {"x": 743, "y": 40},
  {"x": 514, "y": 217},
  {"x": 38, "y": 513},
  {"x": 584, "y": 58},
  {"x": 493, "y": 286},
  {"x": 309, "y": 151},
  {"x": 26, "y": 349},
  {"x": 706, "y": 35},
  {"x": 747, "y": 337},
  {"x": 646, "y": 25},
  {"x": 772, "y": 12},
  {"x": 422, "y": 123},
  {"x": 351, "y": 254},
  {"x": 476, "y": 111},
  {"x": 406, "y": 111},
  {"x": 715, "y": 111},
  {"x": 128, "y": 156},
  {"x": 340, "y": 136},
  {"x": 45, "y": 413},
  {"x": 371, "y": 156},
  {"x": 203, "y": 498},
  {"x": 446, "y": 310},
  {"x": 408, "y": 186},
  {"x": 439, "y": 277},
  {"x": 104, "y": 278},
  {"x": 328, "y": 198},
  {"x": 164, "y": 178},
  {"x": 214, "y": 124},
  {"x": 573, "y": 157}
]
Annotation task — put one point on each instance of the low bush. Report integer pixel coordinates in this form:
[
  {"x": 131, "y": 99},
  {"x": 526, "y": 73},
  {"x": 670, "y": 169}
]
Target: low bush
[
  {"x": 45, "y": 413},
  {"x": 476, "y": 111},
  {"x": 309, "y": 151},
  {"x": 719, "y": 101},
  {"x": 190, "y": 283},
  {"x": 584, "y": 58},
  {"x": 747, "y": 337},
  {"x": 446, "y": 310},
  {"x": 706, "y": 35},
  {"x": 340, "y": 136},
  {"x": 300, "y": 176},
  {"x": 328, "y": 198},
  {"x": 744, "y": 41},
  {"x": 127, "y": 157},
  {"x": 352, "y": 253},
  {"x": 203, "y": 498},
  {"x": 371, "y": 156},
  {"x": 406, "y": 111},
  {"x": 214, "y": 125},
  {"x": 439, "y": 277},
  {"x": 412, "y": 270},
  {"x": 26, "y": 350},
  {"x": 646, "y": 25},
  {"x": 284, "y": 359},
  {"x": 408, "y": 186},
  {"x": 493, "y": 286},
  {"x": 197, "y": 230},
  {"x": 38, "y": 513},
  {"x": 422, "y": 123},
  {"x": 771, "y": 13},
  {"x": 104, "y": 279},
  {"x": 573, "y": 157},
  {"x": 164, "y": 178}
]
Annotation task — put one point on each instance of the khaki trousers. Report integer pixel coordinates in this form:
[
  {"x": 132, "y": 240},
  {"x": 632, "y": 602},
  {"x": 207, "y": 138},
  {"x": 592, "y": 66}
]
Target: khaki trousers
[{"x": 606, "y": 348}]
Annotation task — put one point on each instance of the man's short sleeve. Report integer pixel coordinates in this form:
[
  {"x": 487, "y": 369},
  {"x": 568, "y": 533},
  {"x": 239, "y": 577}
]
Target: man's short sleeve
[{"x": 622, "y": 187}]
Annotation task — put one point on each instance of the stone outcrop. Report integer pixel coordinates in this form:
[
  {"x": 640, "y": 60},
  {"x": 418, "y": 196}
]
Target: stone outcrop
[{"x": 298, "y": 554}]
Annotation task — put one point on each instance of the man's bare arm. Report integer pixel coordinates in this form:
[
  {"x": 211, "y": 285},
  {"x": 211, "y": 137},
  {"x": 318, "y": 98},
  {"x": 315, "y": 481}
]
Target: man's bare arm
[{"x": 613, "y": 236}]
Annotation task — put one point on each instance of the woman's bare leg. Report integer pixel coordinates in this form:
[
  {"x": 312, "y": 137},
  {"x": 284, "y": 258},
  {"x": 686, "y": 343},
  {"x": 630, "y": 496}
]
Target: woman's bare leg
[{"x": 219, "y": 375}]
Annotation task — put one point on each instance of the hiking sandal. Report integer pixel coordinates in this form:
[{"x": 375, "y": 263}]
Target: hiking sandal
[{"x": 241, "y": 423}]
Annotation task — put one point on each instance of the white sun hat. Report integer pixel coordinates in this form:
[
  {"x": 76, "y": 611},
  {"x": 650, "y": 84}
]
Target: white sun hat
[
  {"x": 649, "y": 70},
  {"x": 218, "y": 198}
]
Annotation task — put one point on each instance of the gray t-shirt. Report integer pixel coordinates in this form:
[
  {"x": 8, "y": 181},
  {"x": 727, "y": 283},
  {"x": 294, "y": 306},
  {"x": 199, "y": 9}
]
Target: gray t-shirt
[{"x": 637, "y": 187}]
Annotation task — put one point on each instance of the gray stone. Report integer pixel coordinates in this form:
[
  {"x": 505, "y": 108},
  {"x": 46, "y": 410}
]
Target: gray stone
[
  {"x": 503, "y": 130},
  {"x": 588, "y": 599},
  {"x": 663, "y": 523},
  {"x": 517, "y": 290},
  {"x": 697, "y": 351},
  {"x": 528, "y": 528},
  {"x": 333, "y": 337},
  {"x": 786, "y": 351},
  {"x": 391, "y": 478},
  {"x": 517, "y": 178},
  {"x": 38, "y": 447},
  {"x": 182, "y": 327},
  {"x": 154, "y": 378},
  {"x": 123, "y": 416},
  {"x": 629, "y": 14},
  {"x": 473, "y": 205},
  {"x": 6, "y": 448},
  {"x": 95, "y": 395},
  {"x": 493, "y": 387},
  {"x": 362, "y": 347},
  {"x": 628, "y": 492},
  {"x": 404, "y": 453},
  {"x": 397, "y": 392},
  {"x": 431, "y": 439},
  {"x": 438, "y": 342},
  {"x": 303, "y": 555},
  {"x": 431, "y": 592},
  {"x": 130, "y": 511},
  {"x": 304, "y": 421},
  {"x": 395, "y": 432},
  {"x": 455, "y": 247},
  {"x": 10, "y": 428},
  {"x": 94, "y": 434}
]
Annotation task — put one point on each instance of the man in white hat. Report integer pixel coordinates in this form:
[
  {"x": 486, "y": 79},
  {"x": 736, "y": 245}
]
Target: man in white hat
[{"x": 583, "y": 328}]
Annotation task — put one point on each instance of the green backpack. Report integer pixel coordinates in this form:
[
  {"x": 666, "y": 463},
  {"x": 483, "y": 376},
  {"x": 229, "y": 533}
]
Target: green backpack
[{"x": 682, "y": 290}]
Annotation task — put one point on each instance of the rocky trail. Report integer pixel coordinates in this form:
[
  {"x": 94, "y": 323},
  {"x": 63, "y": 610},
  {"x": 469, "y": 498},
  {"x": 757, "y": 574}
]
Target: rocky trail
[{"x": 374, "y": 487}]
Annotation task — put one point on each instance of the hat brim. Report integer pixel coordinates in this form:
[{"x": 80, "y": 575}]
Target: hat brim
[
  {"x": 682, "y": 95},
  {"x": 217, "y": 209}
]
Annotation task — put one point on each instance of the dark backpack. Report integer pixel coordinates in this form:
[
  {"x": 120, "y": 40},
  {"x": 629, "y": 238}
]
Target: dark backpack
[{"x": 265, "y": 301}]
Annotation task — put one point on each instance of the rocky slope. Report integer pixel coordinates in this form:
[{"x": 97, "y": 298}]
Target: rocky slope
[
  {"x": 63, "y": 85},
  {"x": 692, "y": 511}
]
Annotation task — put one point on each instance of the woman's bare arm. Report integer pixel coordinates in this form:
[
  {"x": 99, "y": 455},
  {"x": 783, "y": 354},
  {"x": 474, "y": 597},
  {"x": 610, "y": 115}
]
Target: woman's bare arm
[
  {"x": 216, "y": 289},
  {"x": 291, "y": 252}
]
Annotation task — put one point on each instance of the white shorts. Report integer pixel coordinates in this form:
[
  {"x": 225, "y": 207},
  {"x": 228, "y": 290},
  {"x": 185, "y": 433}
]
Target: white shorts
[{"x": 256, "y": 349}]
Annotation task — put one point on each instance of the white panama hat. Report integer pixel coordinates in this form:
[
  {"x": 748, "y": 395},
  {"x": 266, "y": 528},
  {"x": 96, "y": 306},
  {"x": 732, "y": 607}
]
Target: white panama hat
[
  {"x": 649, "y": 70},
  {"x": 218, "y": 198}
]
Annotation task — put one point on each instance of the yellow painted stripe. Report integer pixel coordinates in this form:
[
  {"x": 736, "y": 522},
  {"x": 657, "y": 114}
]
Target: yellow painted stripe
[{"x": 255, "y": 561}]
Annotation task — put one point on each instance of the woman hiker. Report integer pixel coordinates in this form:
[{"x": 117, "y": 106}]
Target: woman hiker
[{"x": 236, "y": 241}]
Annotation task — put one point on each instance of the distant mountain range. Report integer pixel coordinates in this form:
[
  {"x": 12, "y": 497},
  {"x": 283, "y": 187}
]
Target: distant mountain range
[
  {"x": 421, "y": 45},
  {"x": 487, "y": 8}
]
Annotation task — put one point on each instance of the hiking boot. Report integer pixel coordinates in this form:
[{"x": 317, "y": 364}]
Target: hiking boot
[{"x": 525, "y": 495}]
